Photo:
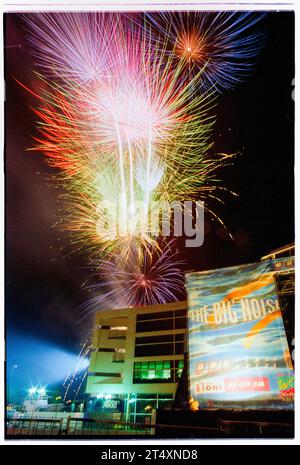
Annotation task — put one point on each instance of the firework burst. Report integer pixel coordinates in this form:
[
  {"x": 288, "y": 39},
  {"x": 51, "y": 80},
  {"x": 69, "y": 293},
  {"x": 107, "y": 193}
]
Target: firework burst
[
  {"x": 223, "y": 44},
  {"x": 148, "y": 277},
  {"x": 140, "y": 135},
  {"x": 73, "y": 47},
  {"x": 125, "y": 115}
]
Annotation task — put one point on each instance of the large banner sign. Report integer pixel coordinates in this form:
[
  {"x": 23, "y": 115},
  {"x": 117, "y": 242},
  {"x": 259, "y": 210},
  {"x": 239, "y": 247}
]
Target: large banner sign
[{"x": 238, "y": 352}]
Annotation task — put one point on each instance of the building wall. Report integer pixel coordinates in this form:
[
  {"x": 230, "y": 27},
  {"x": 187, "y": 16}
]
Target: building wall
[{"x": 149, "y": 339}]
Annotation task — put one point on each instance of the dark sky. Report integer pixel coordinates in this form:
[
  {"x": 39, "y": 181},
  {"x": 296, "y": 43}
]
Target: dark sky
[{"x": 256, "y": 119}]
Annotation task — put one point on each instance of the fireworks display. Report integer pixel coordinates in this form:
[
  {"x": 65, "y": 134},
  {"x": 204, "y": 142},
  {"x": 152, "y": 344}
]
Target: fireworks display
[
  {"x": 125, "y": 114},
  {"x": 151, "y": 277},
  {"x": 223, "y": 44},
  {"x": 76, "y": 377}
]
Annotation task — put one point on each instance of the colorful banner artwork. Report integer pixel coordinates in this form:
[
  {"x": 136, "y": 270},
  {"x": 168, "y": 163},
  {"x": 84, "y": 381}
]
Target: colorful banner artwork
[{"x": 238, "y": 352}]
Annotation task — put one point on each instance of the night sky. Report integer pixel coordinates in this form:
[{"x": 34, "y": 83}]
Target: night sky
[{"x": 43, "y": 278}]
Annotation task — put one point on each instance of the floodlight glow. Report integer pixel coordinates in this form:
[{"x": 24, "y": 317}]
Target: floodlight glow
[{"x": 43, "y": 366}]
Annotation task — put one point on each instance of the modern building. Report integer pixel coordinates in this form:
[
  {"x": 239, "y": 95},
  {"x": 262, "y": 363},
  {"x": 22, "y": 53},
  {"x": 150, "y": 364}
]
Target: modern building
[
  {"x": 136, "y": 361},
  {"x": 138, "y": 354}
]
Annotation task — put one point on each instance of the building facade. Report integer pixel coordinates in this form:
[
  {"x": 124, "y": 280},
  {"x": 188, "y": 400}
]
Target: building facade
[{"x": 136, "y": 361}]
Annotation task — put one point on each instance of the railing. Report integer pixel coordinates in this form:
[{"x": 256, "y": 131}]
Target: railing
[
  {"x": 74, "y": 427},
  {"x": 93, "y": 427},
  {"x": 90, "y": 427},
  {"x": 83, "y": 427},
  {"x": 34, "y": 427},
  {"x": 246, "y": 428}
]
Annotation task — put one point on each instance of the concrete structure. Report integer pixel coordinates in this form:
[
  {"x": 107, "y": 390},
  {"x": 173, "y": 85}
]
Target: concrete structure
[{"x": 136, "y": 361}]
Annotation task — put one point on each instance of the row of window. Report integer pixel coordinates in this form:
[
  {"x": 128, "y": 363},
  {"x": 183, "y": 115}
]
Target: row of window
[
  {"x": 161, "y": 338},
  {"x": 160, "y": 315},
  {"x": 168, "y": 371},
  {"x": 167, "y": 344},
  {"x": 147, "y": 322},
  {"x": 161, "y": 321},
  {"x": 165, "y": 324}
]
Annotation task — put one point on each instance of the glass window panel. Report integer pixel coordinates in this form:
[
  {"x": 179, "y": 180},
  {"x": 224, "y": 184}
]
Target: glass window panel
[
  {"x": 146, "y": 326},
  {"x": 180, "y": 312},
  {"x": 180, "y": 323},
  {"x": 179, "y": 348},
  {"x": 153, "y": 339},
  {"x": 165, "y": 403},
  {"x": 159, "y": 349},
  {"x": 154, "y": 316}
]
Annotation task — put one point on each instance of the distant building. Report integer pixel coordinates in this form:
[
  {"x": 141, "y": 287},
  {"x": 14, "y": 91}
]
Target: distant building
[{"x": 137, "y": 359}]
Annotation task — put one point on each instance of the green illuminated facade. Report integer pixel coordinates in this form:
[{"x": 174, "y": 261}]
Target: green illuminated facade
[{"x": 162, "y": 371}]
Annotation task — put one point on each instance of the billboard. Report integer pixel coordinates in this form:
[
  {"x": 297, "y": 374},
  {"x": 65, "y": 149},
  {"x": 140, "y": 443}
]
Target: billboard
[{"x": 238, "y": 352}]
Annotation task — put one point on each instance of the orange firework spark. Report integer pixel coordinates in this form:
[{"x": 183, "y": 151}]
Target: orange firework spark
[{"x": 192, "y": 47}]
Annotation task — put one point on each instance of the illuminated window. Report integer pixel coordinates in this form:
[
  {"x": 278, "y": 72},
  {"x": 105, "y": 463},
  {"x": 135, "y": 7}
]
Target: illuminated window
[
  {"x": 119, "y": 356},
  {"x": 179, "y": 368},
  {"x": 158, "y": 371}
]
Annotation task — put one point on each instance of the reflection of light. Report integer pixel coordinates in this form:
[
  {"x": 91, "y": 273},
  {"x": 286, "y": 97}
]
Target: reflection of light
[
  {"x": 42, "y": 363},
  {"x": 103, "y": 396},
  {"x": 132, "y": 401},
  {"x": 42, "y": 391}
]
